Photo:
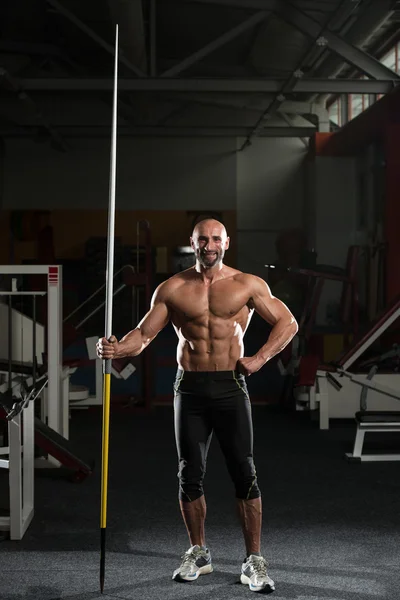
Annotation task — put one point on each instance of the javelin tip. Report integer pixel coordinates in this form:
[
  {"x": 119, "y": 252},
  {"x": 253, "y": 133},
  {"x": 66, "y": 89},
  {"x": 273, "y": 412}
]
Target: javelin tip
[{"x": 102, "y": 558}]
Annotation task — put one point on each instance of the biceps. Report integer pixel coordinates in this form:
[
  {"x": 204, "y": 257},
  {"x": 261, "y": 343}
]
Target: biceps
[{"x": 155, "y": 320}]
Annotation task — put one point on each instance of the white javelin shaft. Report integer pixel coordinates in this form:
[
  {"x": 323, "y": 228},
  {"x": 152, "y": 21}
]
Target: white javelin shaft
[{"x": 111, "y": 207}]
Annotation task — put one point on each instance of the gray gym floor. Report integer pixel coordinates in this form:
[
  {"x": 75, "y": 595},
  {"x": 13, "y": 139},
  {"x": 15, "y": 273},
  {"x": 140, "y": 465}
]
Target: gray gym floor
[{"x": 331, "y": 529}]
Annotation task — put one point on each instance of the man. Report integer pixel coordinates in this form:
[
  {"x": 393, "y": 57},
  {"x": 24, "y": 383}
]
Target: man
[{"x": 210, "y": 306}]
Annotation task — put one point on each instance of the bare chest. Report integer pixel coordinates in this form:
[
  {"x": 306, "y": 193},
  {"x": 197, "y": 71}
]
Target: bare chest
[{"x": 221, "y": 300}]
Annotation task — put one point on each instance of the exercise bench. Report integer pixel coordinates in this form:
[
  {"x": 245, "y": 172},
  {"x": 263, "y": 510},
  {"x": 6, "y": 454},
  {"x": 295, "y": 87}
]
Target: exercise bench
[{"x": 373, "y": 421}]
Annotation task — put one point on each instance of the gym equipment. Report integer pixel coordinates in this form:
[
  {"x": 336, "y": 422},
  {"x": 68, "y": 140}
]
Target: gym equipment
[
  {"x": 48, "y": 440},
  {"x": 289, "y": 360},
  {"x": 324, "y": 387},
  {"x": 63, "y": 451},
  {"x": 24, "y": 431},
  {"x": 348, "y": 312},
  {"x": 19, "y": 460},
  {"x": 348, "y": 277},
  {"x": 131, "y": 277},
  {"x": 55, "y": 398},
  {"x": 372, "y": 421},
  {"x": 394, "y": 354},
  {"x": 108, "y": 324},
  {"x": 16, "y": 398},
  {"x": 16, "y": 403},
  {"x": 21, "y": 383}
]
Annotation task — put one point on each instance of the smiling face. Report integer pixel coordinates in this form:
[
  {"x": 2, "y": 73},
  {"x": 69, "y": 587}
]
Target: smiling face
[{"x": 209, "y": 242}]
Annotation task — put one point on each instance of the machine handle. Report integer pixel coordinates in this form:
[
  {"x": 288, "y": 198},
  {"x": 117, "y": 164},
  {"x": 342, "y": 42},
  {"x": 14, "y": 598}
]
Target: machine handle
[{"x": 333, "y": 381}]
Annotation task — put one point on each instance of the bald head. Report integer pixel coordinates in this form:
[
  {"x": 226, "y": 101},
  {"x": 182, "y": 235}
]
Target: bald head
[
  {"x": 209, "y": 241},
  {"x": 206, "y": 224}
]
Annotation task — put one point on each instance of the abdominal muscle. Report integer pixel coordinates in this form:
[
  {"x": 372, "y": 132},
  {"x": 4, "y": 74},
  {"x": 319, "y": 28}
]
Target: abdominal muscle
[{"x": 205, "y": 352}]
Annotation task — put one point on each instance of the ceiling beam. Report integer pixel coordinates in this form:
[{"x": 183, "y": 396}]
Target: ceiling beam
[
  {"x": 371, "y": 19},
  {"x": 290, "y": 83},
  {"x": 290, "y": 123},
  {"x": 359, "y": 59},
  {"x": 313, "y": 5},
  {"x": 253, "y": 85},
  {"x": 251, "y": 4},
  {"x": 92, "y": 34},
  {"x": 104, "y": 131},
  {"x": 217, "y": 43},
  {"x": 31, "y": 48},
  {"x": 246, "y": 104},
  {"x": 13, "y": 85}
]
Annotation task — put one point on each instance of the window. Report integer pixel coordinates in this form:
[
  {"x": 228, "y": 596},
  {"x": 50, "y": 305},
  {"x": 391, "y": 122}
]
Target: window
[
  {"x": 334, "y": 112},
  {"x": 389, "y": 60},
  {"x": 360, "y": 102},
  {"x": 357, "y": 104}
]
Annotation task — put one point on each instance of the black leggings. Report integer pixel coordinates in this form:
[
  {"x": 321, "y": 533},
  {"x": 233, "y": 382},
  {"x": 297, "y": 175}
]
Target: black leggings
[{"x": 213, "y": 401}]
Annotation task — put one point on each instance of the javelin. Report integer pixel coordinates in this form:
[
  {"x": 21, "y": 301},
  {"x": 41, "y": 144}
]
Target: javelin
[{"x": 108, "y": 324}]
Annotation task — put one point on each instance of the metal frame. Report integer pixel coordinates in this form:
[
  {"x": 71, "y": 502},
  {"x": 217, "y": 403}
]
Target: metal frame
[
  {"x": 370, "y": 340},
  {"x": 289, "y": 120},
  {"x": 20, "y": 463},
  {"x": 220, "y": 41},
  {"x": 307, "y": 25},
  {"x": 78, "y": 399},
  {"x": 13, "y": 85},
  {"x": 240, "y": 85},
  {"x": 372, "y": 17},
  {"x": 377, "y": 426},
  {"x": 57, "y": 412},
  {"x": 290, "y": 82},
  {"x": 92, "y": 34},
  {"x": 261, "y": 4},
  {"x": 372, "y": 385},
  {"x": 362, "y": 429},
  {"x": 20, "y": 449},
  {"x": 345, "y": 403},
  {"x": 301, "y": 19},
  {"x": 255, "y": 4},
  {"x": 335, "y": 404},
  {"x": 359, "y": 59},
  {"x": 161, "y": 131}
]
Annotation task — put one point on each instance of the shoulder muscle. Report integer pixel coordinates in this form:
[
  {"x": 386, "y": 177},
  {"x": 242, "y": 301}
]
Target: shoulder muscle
[{"x": 164, "y": 291}]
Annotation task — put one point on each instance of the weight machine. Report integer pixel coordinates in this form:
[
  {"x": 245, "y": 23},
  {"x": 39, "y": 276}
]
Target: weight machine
[
  {"x": 40, "y": 374},
  {"x": 136, "y": 279},
  {"x": 334, "y": 389},
  {"x": 17, "y": 405},
  {"x": 348, "y": 308},
  {"x": 55, "y": 403},
  {"x": 17, "y": 402},
  {"x": 24, "y": 377}
]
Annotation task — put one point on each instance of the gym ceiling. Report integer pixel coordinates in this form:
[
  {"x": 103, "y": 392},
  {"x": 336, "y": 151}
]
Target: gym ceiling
[{"x": 187, "y": 67}]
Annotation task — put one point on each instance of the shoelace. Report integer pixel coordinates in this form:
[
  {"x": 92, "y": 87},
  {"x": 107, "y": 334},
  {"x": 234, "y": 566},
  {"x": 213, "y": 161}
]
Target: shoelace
[
  {"x": 259, "y": 565},
  {"x": 190, "y": 557}
]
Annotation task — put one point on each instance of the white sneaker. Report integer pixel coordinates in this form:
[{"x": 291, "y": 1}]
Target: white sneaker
[
  {"x": 254, "y": 573},
  {"x": 195, "y": 562}
]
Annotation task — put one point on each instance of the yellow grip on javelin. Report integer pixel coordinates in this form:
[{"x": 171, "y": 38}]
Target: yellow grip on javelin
[{"x": 104, "y": 462}]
